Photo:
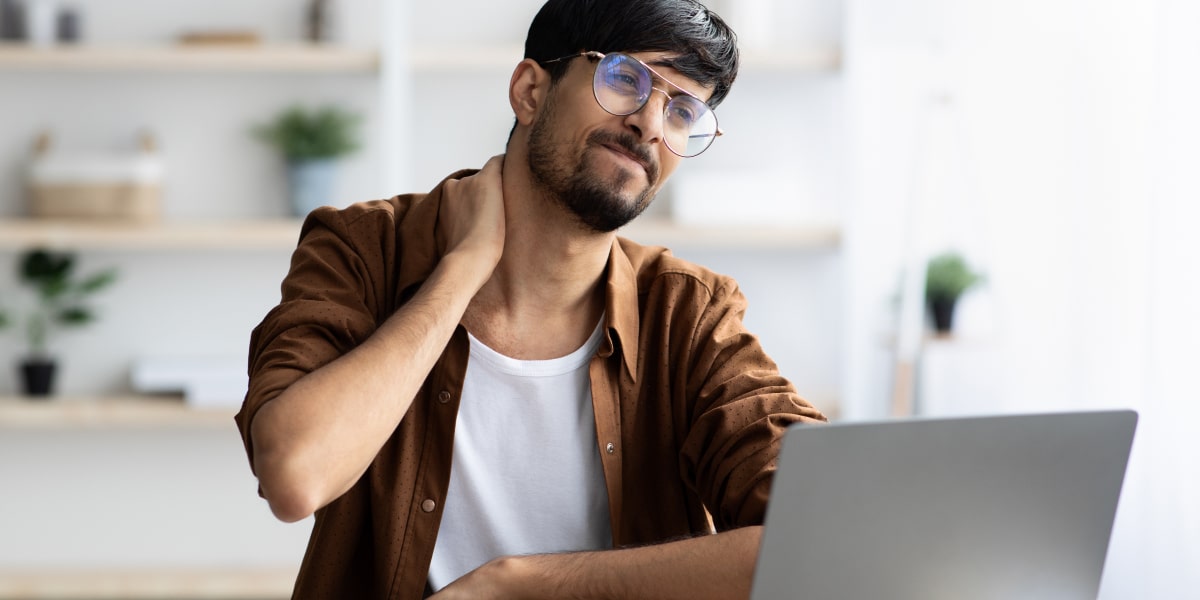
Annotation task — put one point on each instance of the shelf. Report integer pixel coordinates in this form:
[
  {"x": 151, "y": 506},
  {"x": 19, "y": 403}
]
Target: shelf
[
  {"x": 147, "y": 583},
  {"x": 282, "y": 234},
  {"x": 263, "y": 234},
  {"x": 94, "y": 412},
  {"x": 315, "y": 58},
  {"x": 661, "y": 232},
  {"x": 176, "y": 58},
  {"x": 817, "y": 59}
]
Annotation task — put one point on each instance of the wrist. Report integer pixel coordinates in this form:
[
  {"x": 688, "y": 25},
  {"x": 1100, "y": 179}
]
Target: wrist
[{"x": 468, "y": 265}]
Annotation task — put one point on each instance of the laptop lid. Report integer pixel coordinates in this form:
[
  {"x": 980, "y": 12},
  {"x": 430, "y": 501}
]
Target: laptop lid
[{"x": 999, "y": 507}]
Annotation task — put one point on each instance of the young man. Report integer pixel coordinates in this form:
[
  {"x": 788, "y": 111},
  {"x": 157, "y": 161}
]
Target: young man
[{"x": 482, "y": 391}]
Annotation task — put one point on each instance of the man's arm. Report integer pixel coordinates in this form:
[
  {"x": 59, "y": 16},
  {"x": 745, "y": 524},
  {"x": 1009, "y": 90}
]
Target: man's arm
[
  {"x": 717, "y": 566},
  {"x": 317, "y": 438}
]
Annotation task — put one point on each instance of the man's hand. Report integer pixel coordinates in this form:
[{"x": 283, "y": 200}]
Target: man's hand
[
  {"x": 471, "y": 216},
  {"x": 496, "y": 580}
]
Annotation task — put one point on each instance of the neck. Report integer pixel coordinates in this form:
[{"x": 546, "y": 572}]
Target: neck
[{"x": 546, "y": 294}]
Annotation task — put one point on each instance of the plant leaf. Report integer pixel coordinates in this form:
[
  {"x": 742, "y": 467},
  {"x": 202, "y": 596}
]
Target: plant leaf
[
  {"x": 75, "y": 315},
  {"x": 300, "y": 134},
  {"x": 53, "y": 288},
  {"x": 40, "y": 265},
  {"x": 98, "y": 281}
]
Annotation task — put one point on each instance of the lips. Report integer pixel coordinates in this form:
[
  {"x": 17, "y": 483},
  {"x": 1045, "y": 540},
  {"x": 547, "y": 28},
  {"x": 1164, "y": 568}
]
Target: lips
[
  {"x": 627, "y": 154},
  {"x": 627, "y": 145}
]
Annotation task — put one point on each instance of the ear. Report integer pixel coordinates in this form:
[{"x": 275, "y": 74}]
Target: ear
[{"x": 527, "y": 90}]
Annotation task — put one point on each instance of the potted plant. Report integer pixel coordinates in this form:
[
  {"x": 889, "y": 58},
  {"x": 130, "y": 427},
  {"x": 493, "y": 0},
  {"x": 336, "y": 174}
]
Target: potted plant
[
  {"x": 946, "y": 278},
  {"x": 60, "y": 302},
  {"x": 311, "y": 141}
]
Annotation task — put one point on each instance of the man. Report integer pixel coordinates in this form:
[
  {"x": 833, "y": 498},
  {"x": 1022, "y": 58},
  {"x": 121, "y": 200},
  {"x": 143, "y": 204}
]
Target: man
[{"x": 482, "y": 392}]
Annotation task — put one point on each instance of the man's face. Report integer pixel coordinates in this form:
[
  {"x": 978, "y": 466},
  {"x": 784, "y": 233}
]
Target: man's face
[{"x": 605, "y": 169}]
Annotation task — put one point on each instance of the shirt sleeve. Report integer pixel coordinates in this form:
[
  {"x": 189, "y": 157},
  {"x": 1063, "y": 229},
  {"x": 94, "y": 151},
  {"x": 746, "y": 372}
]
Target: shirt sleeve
[
  {"x": 331, "y": 300},
  {"x": 742, "y": 406}
]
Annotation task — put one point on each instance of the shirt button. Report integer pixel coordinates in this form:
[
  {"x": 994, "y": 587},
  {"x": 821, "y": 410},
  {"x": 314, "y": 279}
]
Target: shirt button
[
  {"x": 428, "y": 505},
  {"x": 444, "y": 397},
  {"x": 611, "y": 448}
]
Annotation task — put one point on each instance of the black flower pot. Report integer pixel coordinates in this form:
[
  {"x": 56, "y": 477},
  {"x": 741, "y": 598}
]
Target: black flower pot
[
  {"x": 37, "y": 376},
  {"x": 943, "y": 315}
]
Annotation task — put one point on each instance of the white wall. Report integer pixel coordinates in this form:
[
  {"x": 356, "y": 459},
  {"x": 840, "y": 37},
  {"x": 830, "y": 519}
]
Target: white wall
[
  {"x": 1064, "y": 177},
  {"x": 136, "y": 498}
]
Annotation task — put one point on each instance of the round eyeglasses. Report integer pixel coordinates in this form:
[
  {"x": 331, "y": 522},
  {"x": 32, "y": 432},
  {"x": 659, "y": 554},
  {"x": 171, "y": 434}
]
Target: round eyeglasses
[{"x": 622, "y": 86}]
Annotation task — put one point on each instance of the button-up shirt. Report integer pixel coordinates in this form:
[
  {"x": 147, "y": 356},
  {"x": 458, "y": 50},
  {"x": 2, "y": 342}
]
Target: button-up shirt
[{"x": 689, "y": 410}]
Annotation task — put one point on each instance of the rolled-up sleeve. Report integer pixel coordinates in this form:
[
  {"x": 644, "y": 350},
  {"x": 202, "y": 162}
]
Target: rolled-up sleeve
[
  {"x": 331, "y": 301},
  {"x": 741, "y": 406}
]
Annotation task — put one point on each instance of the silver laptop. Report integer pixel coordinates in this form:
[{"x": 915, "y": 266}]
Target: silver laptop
[{"x": 1005, "y": 507}]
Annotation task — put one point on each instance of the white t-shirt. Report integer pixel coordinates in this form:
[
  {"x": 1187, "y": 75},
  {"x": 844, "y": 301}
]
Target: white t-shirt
[{"x": 526, "y": 475}]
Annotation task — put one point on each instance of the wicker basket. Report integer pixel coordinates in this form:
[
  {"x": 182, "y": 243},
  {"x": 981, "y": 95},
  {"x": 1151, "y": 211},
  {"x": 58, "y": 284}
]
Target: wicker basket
[
  {"x": 114, "y": 186},
  {"x": 130, "y": 201}
]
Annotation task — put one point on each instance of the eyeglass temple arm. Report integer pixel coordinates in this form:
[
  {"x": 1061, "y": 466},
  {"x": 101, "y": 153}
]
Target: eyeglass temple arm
[{"x": 589, "y": 54}]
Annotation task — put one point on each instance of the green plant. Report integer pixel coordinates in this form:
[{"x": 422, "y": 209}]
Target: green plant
[
  {"x": 61, "y": 298},
  {"x": 947, "y": 277},
  {"x": 301, "y": 134}
]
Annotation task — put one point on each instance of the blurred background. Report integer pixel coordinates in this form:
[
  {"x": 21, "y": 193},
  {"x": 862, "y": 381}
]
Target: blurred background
[{"x": 1050, "y": 145}]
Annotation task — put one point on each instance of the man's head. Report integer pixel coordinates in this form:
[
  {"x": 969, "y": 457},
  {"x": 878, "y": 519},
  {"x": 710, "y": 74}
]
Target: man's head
[
  {"x": 701, "y": 46},
  {"x": 603, "y": 165}
]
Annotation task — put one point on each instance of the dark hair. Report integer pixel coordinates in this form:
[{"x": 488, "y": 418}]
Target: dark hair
[{"x": 705, "y": 47}]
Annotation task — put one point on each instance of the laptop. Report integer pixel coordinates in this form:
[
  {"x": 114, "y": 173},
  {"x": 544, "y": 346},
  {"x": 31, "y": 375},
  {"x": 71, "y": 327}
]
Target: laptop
[{"x": 1000, "y": 507}]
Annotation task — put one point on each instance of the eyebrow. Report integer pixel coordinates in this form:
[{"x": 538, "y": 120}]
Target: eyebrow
[{"x": 671, "y": 64}]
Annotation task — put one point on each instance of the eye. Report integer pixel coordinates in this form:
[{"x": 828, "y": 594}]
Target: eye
[
  {"x": 624, "y": 81},
  {"x": 683, "y": 112}
]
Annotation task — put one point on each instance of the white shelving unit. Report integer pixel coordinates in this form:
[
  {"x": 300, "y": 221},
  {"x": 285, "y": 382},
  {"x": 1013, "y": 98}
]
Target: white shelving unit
[
  {"x": 147, "y": 583},
  {"x": 212, "y": 236},
  {"x": 323, "y": 58},
  {"x": 302, "y": 58},
  {"x": 282, "y": 234},
  {"x": 102, "y": 412},
  {"x": 816, "y": 59}
]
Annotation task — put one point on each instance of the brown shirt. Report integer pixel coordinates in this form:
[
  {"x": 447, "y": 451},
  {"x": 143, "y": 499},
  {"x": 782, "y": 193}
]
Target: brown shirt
[{"x": 689, "y": 409}]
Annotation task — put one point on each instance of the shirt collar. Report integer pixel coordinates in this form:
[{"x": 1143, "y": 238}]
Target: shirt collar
[{"x": 621, "y": 304}]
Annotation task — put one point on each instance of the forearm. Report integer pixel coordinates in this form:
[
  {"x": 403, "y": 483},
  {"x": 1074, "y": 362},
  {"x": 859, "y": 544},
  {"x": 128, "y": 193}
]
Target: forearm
[
  {"x": 712, "y": 566},
  {"x": 316, "y": 439}
]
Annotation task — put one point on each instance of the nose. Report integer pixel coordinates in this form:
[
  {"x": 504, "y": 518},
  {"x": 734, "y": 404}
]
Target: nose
[{"x": 647, "y": 122}]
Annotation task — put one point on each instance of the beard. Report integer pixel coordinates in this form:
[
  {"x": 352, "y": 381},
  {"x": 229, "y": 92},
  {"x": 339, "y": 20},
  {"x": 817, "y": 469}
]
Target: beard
[{"x": 596, "y": 201}]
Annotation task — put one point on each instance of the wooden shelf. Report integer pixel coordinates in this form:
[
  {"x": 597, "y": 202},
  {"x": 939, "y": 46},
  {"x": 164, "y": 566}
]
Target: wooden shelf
[
  {"x": 817, "y": 59},
  {"x": 662, "y": 232},
  {"x": 179, "y": 58},
  {"x": 282, "y": 234},
  {"x": 147, "y": 583},
  {"x": 319, "y": 58},
  {"x": 96, "y": 412},
  {"x": 200, "y": 235}
]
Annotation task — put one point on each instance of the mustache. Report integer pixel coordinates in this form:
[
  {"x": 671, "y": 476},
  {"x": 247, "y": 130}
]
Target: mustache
[{"x": 630, "y": 144}]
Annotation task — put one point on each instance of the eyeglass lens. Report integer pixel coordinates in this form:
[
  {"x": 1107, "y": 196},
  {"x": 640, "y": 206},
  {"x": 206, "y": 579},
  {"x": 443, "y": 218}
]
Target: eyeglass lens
[{"x": 623, "y": 85}]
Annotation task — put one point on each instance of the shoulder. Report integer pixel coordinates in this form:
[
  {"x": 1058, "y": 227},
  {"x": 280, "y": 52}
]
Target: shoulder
[
  {"x": 404, "y": 216},
  {"x": 373, "y": 214},
  {"x": 656, "y": 269}
]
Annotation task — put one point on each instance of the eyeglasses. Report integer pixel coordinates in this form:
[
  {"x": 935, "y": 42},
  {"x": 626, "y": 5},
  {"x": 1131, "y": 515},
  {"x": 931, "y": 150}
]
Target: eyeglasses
[{"x": 622, "y": 86}]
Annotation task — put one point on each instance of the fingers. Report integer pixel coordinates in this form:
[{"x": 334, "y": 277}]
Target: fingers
[{"x": 472, "y": 213}]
